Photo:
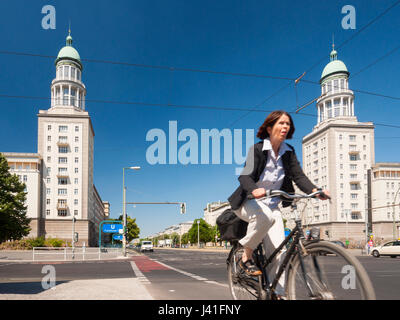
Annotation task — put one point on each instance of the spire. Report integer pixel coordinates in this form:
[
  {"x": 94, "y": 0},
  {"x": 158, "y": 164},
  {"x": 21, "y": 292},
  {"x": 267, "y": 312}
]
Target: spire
[
  {"x": 333, "y": 54},
  {"x": 69, "y": 38}
]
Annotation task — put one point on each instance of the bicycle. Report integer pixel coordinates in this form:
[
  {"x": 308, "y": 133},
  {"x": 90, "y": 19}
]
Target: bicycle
[{"x": 315, "y": 269}]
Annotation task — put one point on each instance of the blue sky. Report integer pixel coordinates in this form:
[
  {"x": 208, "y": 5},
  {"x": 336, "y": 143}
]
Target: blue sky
[{"x": 278, "y": 38}]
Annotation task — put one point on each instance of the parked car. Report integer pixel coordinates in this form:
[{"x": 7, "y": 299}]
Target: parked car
[
  {"x": 146, "y": 246},
  {"x": 391, "y": 248},
  {"x": 338, "y": 243}
]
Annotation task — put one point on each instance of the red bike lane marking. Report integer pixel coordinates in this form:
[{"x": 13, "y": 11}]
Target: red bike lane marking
[{"x": 145, "y": 264}]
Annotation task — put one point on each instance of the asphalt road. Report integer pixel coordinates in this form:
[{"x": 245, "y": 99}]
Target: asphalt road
[{"x": 165, "y": 274}]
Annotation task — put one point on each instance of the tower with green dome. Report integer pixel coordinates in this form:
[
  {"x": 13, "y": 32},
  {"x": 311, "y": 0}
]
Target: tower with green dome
[
  {"x": 336, "y": 100},
  {"x": 67, "y": 89},
  {"x": 65, "y": 145}
]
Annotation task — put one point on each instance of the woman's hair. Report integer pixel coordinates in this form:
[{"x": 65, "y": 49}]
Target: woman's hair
[{"x": 270, "y": 122}]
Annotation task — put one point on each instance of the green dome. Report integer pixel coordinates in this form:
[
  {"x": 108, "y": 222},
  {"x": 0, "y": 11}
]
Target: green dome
[
  {"x": 69, "y": 52},
  {"x": 333, "y": 67}
]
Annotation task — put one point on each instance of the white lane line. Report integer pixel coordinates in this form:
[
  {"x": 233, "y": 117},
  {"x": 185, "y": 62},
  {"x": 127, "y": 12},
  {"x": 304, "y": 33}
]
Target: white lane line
[
  {"x": 191, "y": 275},
  {"x": 139, "y": 273}
]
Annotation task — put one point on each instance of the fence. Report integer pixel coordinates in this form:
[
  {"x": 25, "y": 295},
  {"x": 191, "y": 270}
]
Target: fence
[{"x": 76, "y": 253}]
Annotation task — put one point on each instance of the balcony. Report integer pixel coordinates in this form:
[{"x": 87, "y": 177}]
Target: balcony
[
  {"x": 62, "y": 205},
  {"x": 62, "y": 143},
  {"x": 62, "y": 175}
]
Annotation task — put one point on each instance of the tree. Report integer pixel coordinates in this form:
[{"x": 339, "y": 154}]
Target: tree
[
  {"x": 132, "y": 229},
  {"x": 205, "y": 230},
  {"x": 14, "y": 224}
]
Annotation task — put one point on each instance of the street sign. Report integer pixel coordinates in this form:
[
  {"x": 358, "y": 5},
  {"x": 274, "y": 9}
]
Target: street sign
[
  {"x": 117, "y": 236},
  {"x": 112, "y": 228}
]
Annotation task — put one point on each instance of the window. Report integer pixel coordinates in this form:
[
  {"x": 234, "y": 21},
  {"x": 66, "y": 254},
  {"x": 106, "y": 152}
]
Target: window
[
  {"x": 354, "y": 205},
  {"x": 47, "y": 190},
  {"x": 355, "y": 186},
  {"x": 76, "y": 160},
  {"x": 62, "y": 212},
  {"x": 48, "y": 212},
  {"x": 354, "y": 195},
  {"x": 62, "y": 181},
  {"x": 76, "y": 139},
  {"x": 48, "y": 148},
  {"x": 353, "y": 157},
  {"x": 353, "y": 167},
  {"x": 48, "y": 170},
  {"x": 76, "y": 149},
  {"x": 63, "y": 138},
  {"x": 47, "y": 201},
  {"x": 62, "y": 192},
  {"x": 76, "y": 181},
  {"x": 73, "y": 73},
  {"x": 73, "y": 96},
  {"x": 75, "y": 202},
  {"x": 76, "y": 170},
  {"x": 49, "y": 138},
  {"x": 352, "y": 138},
  {"x": 335, "y": 84},
  {"x": 25, "y": 179},
  {"x": 76, "y": 128},
  {"x": 63, "y": 149},
  {"x": 336, "y": 104},
  {"x": 49, "y": 127},
  {"x": 75, "y": 191},
  {"x": 62, "y": 170},
  {"x": 47, "y": 180},
  {"x": 48, "y": 159},
  {"x": 329, "y": 109},
  {"x": 75, "y": 212},
  {"x": 342, "y": 84},
  {"x": 65, "y": 96},
  {"x": 353, "y": 176},
  {"x": 62, "y": 128},
  {"x": 62, "y": 160}
]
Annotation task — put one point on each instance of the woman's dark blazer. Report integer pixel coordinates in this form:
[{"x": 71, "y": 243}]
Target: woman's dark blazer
[{"x": 251, "y": 174}]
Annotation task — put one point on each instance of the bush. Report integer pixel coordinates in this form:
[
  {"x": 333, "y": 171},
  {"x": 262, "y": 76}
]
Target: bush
[
  {"x": 54, "y": 242},
  {"x": 29, "y": 243}
]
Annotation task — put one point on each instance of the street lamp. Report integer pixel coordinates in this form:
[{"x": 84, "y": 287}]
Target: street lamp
[
  {"x": 124, "y": 207},
  {"x": 198, "y": 234},
  {"x": 394, "y": 217}
]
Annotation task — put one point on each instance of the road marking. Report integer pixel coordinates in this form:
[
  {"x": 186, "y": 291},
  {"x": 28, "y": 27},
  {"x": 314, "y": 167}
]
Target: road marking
[
  {"x": 193, "y": 275},
  {"x": 139, "y": 274}
]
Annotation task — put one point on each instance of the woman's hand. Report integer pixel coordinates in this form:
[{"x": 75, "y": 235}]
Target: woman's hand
[
  {"x": 259, "y": 193},
  {"x": 320, "y": 197}
]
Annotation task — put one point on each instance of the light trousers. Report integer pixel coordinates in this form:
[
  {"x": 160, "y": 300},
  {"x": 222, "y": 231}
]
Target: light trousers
[{"x": 265, "y": 224}]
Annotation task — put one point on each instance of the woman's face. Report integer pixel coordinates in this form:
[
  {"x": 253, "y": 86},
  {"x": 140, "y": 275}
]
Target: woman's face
[{"x": 280, "y": 129}]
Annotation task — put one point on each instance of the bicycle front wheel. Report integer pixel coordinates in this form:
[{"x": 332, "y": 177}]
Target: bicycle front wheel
[
  {"x": 242, "y": 286},
  {"x": 327, "y": 272}
]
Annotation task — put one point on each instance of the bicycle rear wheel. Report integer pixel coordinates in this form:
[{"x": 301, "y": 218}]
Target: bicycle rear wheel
[
  {"x": 242, "y": 286},
  {"x": 330, "y": 273}
]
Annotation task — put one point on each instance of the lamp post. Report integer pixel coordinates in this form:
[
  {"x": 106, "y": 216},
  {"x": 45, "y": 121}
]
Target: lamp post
[
  {"x": 394, "y": 216},
  {"x": 73, "y": 237},
  {"x": 124, "y": 208},
  {"x": 198, "y": 234}
]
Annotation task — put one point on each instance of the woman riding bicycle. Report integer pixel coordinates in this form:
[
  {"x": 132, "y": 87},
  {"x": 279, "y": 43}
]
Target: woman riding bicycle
[{"x": 270, "y": 164}]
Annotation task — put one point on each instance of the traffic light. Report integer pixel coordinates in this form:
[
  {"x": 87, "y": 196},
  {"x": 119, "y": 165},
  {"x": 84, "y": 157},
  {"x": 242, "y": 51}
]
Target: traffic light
[
  {"x": 183, "y": 207},
  {"x": 76, "y": 237}
]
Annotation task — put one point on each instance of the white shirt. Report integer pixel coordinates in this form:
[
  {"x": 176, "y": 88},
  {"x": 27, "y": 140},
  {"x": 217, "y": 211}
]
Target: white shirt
[{"x": 273, "y": 174}]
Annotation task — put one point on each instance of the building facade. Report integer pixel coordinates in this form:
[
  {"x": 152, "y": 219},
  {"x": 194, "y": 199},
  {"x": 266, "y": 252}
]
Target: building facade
[
  {"x": 213, "y": 211},
  {"x": 64, "y": 163},
  {"x": 336, "y": 156},
  {"x": 385, "y": 186}
]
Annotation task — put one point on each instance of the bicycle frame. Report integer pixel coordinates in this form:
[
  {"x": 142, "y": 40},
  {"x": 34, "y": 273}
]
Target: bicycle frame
[{"x": 297, "y": 235}]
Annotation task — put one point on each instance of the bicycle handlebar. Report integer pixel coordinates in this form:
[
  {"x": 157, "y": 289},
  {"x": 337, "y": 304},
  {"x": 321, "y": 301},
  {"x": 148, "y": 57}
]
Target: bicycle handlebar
[{"x": 278, "y": 193}]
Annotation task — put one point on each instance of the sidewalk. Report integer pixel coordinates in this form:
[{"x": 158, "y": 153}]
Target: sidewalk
[{"x": 94, "y": 289}]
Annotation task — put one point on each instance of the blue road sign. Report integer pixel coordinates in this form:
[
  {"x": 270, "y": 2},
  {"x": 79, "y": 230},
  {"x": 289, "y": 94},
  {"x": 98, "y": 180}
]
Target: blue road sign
[
  {"x": 117, "y": 236},
  {"x": 112, "y": 228}
]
